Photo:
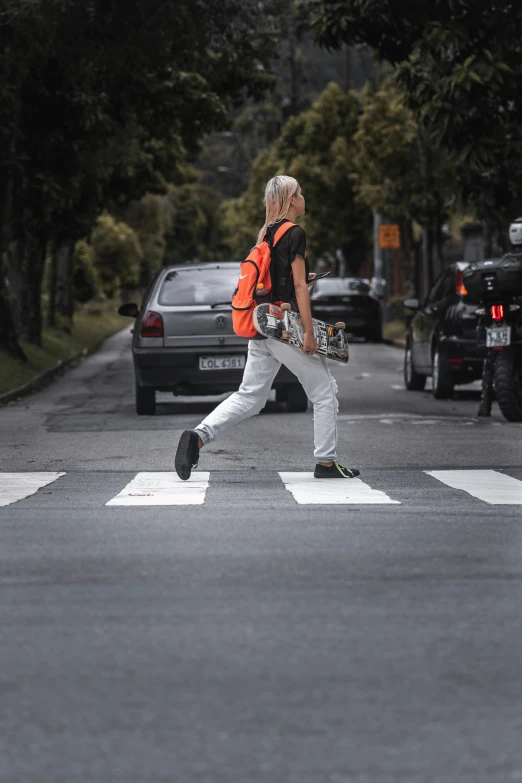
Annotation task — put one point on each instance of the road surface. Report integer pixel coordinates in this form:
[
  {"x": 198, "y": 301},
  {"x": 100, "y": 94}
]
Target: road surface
[{"x": 251, "y": 626}]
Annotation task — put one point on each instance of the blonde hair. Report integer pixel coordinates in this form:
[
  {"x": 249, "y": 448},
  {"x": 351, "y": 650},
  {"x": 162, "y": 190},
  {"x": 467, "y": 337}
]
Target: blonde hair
[{"x": 278, "y": 196}]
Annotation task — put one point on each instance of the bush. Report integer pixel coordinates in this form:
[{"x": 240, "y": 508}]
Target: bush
[
  {"x": 118, "y": 254},
  {"x": 86, "y": 281}
]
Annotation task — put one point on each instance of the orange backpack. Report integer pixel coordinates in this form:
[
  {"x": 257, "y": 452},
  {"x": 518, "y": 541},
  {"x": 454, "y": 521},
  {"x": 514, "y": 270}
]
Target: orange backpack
[{"x": 254, "y": 285}]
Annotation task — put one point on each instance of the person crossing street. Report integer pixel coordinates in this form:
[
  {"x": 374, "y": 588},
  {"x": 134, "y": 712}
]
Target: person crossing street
[{"x": 284, "y": 202}]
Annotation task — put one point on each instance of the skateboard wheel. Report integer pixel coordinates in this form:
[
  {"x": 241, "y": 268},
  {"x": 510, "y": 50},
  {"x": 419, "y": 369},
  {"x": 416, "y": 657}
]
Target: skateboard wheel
[
  {"x": 340, "y": 325},
  {"x": 285, "y": 306},
  {"x": 286, "y": 335}
]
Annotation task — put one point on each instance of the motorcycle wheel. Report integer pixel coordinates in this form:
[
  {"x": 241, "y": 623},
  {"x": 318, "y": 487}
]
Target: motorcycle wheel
[{"x": 508, "y": 386}]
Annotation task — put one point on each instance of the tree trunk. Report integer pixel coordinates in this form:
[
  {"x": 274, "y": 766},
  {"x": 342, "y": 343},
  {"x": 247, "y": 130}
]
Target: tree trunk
[
  {"x": 27, "y": 261},
  {"x": 53, "y": 283},
  {"x": 8, "y": 333},
  {"x": 64, "y": 289},
  {"x": 16, "y": 285}
]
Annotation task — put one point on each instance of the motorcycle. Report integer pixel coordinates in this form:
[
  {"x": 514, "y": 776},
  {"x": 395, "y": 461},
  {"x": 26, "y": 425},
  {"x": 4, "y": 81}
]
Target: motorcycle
[{"x": 497, "y": 286}]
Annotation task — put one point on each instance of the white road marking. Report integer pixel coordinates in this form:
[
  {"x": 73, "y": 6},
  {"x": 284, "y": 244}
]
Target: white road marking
[
  {"x": 487, "y": 485},
  {"x": 163, "y": 489},
  {"x": 16, "y": 486},
  {"x": 397, "y": 386},
  {"x": 308, "y": 490}
]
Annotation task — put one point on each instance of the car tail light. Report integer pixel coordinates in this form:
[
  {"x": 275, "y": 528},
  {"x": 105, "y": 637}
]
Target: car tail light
[
  {"x": 497, "y": 312},
  {"x": 456, "y": 362},
  {"x": 152, "y": 325},
  {"x": 461, "y": 288}
]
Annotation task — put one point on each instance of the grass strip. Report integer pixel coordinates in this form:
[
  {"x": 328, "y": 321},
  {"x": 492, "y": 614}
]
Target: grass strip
[{"x": 92, "y": 324}]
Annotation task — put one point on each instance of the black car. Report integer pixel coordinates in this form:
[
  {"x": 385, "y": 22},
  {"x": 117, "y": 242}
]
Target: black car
[
  {"x": 442, "y": 336},
  {"x": 348, "y": 299},
  {"x": 183, "y": 341}
]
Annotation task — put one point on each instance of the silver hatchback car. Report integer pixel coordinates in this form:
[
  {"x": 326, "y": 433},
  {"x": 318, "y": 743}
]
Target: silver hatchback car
[{"x": 184, "y": 343}]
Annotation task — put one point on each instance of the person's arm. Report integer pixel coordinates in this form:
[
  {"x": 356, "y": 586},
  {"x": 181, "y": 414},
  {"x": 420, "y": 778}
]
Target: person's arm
[{"x": 303, "y": 303}]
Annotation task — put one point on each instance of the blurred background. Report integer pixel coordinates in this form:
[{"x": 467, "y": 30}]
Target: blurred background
[{"x": 135, "y": 135}]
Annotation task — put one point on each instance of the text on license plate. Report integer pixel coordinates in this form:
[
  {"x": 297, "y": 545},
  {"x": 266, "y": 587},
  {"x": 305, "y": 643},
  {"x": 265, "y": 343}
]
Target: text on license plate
[
  {"x": 225, "y": 362},
  {"x": 497, "y": 336}
]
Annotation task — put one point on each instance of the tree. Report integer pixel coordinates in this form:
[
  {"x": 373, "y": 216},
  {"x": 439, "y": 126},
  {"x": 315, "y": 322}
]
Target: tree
[
  {"x": 118, "y": 254},
  {"x": 316, "y": 147},
  {"x": 146, "y": 90},
  {"x": 459, "y": 62},
  {"x": 388, "y": 168}
]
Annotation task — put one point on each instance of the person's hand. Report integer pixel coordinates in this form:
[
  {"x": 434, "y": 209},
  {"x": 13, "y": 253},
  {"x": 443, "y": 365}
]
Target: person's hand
[{"x": 309, "y": 343}]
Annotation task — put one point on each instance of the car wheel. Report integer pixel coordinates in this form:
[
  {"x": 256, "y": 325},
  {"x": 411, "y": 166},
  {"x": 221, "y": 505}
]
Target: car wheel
[
  {"x": 296, "y": 401},
  {"x": 441, "y": 376},
  {"x": 413, "y": 380},
  {"x": 145, "y": 401}
]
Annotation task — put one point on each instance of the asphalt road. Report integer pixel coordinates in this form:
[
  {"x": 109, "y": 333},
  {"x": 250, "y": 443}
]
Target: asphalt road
[{"x": 263, "y": 633}]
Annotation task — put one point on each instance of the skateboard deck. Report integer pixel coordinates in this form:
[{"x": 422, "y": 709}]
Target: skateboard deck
[{"x": 280, "y": 323}]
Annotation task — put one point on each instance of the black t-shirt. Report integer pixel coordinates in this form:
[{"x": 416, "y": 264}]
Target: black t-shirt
[{"x": 292, "y": 244}]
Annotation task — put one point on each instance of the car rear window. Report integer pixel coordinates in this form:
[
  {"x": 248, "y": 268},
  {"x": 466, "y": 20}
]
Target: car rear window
[
  {"x": 340, "y": 286},
  {"x": 198, "y": 286}
]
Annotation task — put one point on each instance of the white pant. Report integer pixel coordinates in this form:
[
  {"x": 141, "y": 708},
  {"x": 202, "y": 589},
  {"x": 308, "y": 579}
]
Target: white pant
[{"x": 264, "y": 359}]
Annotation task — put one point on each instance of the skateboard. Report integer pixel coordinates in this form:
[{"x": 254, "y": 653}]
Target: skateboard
[{"x": 281, "y": 323}]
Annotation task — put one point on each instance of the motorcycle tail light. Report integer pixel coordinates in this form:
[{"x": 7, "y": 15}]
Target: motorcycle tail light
[
  {"x": 497, "y": 312},
  {"x": 152, "y": 325},
  {"x": 461, "y": 288}
]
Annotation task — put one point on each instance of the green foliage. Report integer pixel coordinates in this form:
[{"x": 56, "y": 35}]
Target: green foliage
[
  {"x": 387, "y": 161},
  {"x": 193, "y": 234},
  {"x": 121, "y": 93},
  {"x": 460, "y": 64},
  {"x": 316, "y": 147},
  {"x": 151, "y": 218},
  {"x": 118, "y": 254},
  {"x": 86, "y": 280}
]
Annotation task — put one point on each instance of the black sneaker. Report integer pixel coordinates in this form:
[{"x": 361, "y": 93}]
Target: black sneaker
[
  {"x": 187, "y": 454},
  {"x": 335, "y": 471}
]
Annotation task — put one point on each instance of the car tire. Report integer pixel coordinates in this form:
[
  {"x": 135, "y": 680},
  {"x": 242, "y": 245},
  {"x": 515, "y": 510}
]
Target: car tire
[
  {"x": 145, "y": 401},
  {"x": 442, "y": 380},
  {"x": 508, "y": 386},
  {"x": 296, "y": 401},
  {"x": 413, "y": 380}
]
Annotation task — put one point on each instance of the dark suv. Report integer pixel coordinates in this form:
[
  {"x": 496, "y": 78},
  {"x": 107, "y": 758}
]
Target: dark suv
[
  {"x": 442, "y": 338},
  {"x": 183, "y": 341}
]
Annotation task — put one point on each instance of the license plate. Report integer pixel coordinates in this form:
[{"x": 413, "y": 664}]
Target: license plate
[
  {"x": 224, "y": 362},
  {"x": 498, "y": 336}
]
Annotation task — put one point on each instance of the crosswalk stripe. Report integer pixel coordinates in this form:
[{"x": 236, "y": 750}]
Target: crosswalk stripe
[
  {"x": 307, "y": 490},
  {"x": 487, "y": 485},
  {"x": 16, "y": 486},
  {"x": 163, "y": 489}
]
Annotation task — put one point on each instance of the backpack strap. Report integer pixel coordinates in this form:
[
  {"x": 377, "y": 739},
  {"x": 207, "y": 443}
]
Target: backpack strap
[{"x": 281, "y": 231}]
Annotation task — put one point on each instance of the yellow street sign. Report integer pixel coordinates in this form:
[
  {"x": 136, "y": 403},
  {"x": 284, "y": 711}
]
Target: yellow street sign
[{"x": 389, "y": 237}]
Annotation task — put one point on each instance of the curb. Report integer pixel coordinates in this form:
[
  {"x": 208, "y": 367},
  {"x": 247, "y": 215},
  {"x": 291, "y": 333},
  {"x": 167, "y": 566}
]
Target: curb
[
  {"x": 395, "y": 343},
  {"x": 39, "y": 380}
]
